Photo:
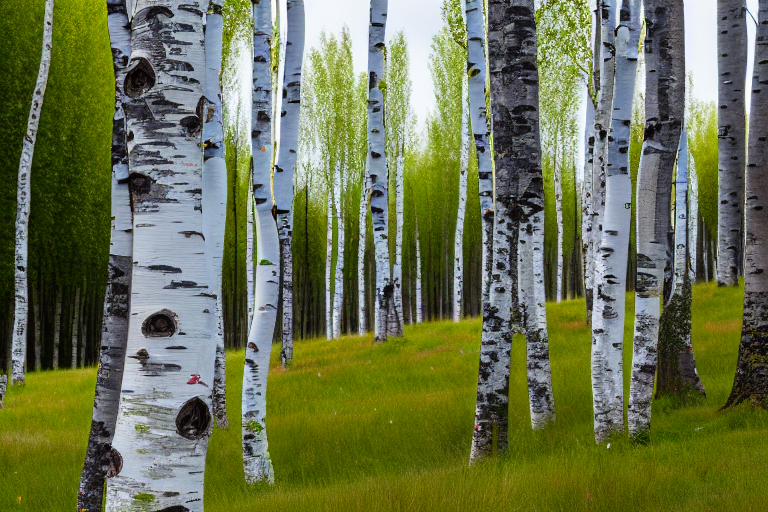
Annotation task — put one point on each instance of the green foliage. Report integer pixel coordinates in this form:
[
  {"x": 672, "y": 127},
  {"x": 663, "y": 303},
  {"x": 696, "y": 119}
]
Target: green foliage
[{"x": 389, "y": 428}]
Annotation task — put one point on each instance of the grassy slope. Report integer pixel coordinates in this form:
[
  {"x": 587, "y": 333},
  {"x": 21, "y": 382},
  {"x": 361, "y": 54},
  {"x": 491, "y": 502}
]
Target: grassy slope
[{"x": 386, "y": 428}]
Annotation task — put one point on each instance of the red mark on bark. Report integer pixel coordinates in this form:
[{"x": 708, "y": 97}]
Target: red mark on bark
[{"x": 194, "y": 380}]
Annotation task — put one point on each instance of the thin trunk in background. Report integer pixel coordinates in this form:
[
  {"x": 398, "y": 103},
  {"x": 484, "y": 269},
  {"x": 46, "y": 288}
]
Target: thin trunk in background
[
  {"x": 249, "y": 252},
  {"x": 329, "y": 258},
  {"x": 664, "y": 113},
  {"x": 693, "y": 219},
  {"x": 362, "y": 312},
  {"x": 338, "y": 289},
  {"x": 751, "y": 380},
  {"x": 458, "y": 246},
  {"x": 23, "y": 200},
  {"x": 419, "y": 303},
  {"x": 114, "y": 332},
  {"x": 75, "y": 324},
  {"x": 57, "y": 327},
  {"x": 558, "y": 184},
  {"x": 396, "y": 319},
  {"x": 732, "y": 69}
]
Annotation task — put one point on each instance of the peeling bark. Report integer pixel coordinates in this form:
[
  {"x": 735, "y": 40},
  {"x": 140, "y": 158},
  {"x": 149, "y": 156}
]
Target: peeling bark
[
  {"x": 751, "y": 381},
  {"x": 256, "y": 460},
  {"x": 664, "y": 112},
  {"x": 23, "y": 200},
  {"x": 286, "y": 163},
  {"x": 731, "y": 67},
  {"x": 165, "y": 420}
]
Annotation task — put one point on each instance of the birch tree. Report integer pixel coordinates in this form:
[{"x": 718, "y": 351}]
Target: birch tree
[
  {"x": 23, "y": 199},
  {"x": 751, "y": 381},
  {"x": 164, "y": 421},
  {"x": 395, "y": 324},
  {"x": 677, "y": 373},
  {"x": 362, "y": 311},
  {"x": 731, "y": 67},
  {"x": 419, "y": 304},
  {"x": 256, "y": 460},
  {"x": 664, "y": 112},
  {"x": 100, "y": 460},
  {"x": 286, "y": 163},
  {"x": 338, "y": 289},
  {"x": 611, "y": 266},
  {"x": 377, "y": 165}
]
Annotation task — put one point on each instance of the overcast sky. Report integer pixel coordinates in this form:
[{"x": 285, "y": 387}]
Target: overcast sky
[{"x": 420, "y": 19}]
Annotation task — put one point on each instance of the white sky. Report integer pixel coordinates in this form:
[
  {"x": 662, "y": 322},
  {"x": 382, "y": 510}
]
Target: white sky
[{"x": 420, "y": 19}]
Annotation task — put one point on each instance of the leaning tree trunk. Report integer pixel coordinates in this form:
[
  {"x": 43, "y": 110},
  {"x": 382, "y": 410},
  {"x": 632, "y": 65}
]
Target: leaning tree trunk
[
  {"x": 731, "y": 66},
  {"x": 377, "y": 165},
  {"x": 164, "y": 421},
  {"x": 362, "y": 312},
  {"x": 664, "y": 112},
  {"x": 215, "y": 196},
  {"x": 286, "y": 163},
  {"x": 613, "y": 250},
  {"x": 458, "y": 245},
  {"x": 677, "y": 373},
  {"x": 256, "y": 460},
  {"x": 114, "y": 333},
  {"x": 23, "y": 199},
  {"x": 751, "y": 381},
  {"x": 338, "y": 289},
  {"x": 396, "y": 319}
]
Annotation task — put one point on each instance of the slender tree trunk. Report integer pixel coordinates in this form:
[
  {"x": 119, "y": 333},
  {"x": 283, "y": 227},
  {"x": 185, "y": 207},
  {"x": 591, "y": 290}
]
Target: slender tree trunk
[
  {"x": 731, "y": 66},
  {"x": 57, "y": 327},
  {"x": 23, "y": 200},
  {"x": 664, "y": 112},
  {"x": 419, "y": 303},
  {"x": 329, "y": 263},
  {"x": 256, "y": 460},
  {"x": 3, "y": 387},
  {"x": 395, "y": 321},
  {"x": 362, "y": 312},
  {"x": 338, "y": 289},
  {"x": 751, "y": 381},
  {"x": 36, "y": 311},
  {"x": 610, "y": 279},
  {"x": 286, "y": 164},
  {"x": 75, "y": 324},
  {"x": 458, "y": 246},
  {"x": 100, "y": 461},
  {"x": 215, "y": 196},
  {"x": 558, "y": 183},
  {"x": 249, "y": 253},
  {"x": 693, "y": 219},
  {"x": 587, "y": 205},
  {"x": 677, "y": 373},
  {"x": 164, "y": 421}
]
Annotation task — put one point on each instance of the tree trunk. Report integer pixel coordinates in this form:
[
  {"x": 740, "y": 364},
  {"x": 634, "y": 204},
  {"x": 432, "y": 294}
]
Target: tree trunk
[
  {"x": 286, "y": 164},
  {"x": 215, "y": 197},
  {"x": 249, "y": 254},
  {"x": 57, "y": 327},
  {"x": 75, "y": 323},
  {"x": 362, "y": 312},
  {"x": 329, "y": 262},
  {"x": 558, "y": 183},
  {"x": 419, "y": 303},
  {"x": 23, "y": 200},
  {"x": 458, "y": 246},
  {"x": 693, "y": 219},
  {"x": 36, "y": 311},
  {"x": 664, "y": 112},
  {"x": 395, "y": 322},
  {"x": 751, "y": 381},
  {"x": 677, "y": 373},
  {"x": 338, "y": 289},
  {"x": 610, "y": 279},
  {"x": 731, "y": 66},
  {"x": 377, "y": 165},
  {"x": 256, "y": 460},
  {"x": 164, "y": 421},
  {"x": 587, "y": 205}
]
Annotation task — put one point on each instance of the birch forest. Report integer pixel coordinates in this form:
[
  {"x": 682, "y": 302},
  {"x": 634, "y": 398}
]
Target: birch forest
[{"x": 383, "y": 255}]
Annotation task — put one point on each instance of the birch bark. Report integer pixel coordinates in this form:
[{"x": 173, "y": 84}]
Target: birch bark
[
  {"x": 419, "y": 304},
  {"x": 677, "y": 373},
  {"x": 731, "y": 67},
  {"x": 214, "y": 200},
  {"x": 57, "y": 328},
  {"x": 75, "y": 320},
  {"x": 362, "y": 312},
  {"x": 286, "y": 163},
  {"x": 377, "y": 165},
  {"x": 458, "y": 246},
  {"x": 249, "y": 253},
  {"x": 613, "y": 250},
  {"x": 114, "y": 332},
  {"x": 664, "y": 112},
  {"x": 693, "y": 219},
  {"x": 164, "y": 421},
  {"x": 558, "y": 183},
  {"x": 23, "y": 200},
  {"x": 338, "y": 289},
  {"x": 751, "y": 381},
  {"x": 395, "y": 322},
  {"x": 3, "y": 387},
  {"x": 329, "y": 261},
  {"x": 256, "y": 460}
]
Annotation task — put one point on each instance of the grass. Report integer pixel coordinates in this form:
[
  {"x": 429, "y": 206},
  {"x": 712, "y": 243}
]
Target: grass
[{"x": 354, "y": 426}]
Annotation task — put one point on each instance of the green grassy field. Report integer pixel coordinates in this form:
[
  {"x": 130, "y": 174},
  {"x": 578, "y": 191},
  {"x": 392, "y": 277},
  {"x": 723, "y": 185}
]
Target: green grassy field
[{"x": 356, "y": 427}]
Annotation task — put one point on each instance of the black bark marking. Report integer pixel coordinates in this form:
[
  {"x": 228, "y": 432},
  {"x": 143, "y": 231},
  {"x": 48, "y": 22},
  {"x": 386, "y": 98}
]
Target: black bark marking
[
  {"x": 115, "y": 462},
  {"x": 140, "y": 78},
  {"x": 193, "y": 419},
  {"x": 162, "y": 324}
]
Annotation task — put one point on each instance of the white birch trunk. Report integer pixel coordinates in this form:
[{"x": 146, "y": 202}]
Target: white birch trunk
[
  {"x": 38, "y": 339},
  {"x": 610, "y": 281},
  {"x": 338, "y": 288},
  {"x": 3, "y": 387},
  {"x": 23, "y": 200},
  {"x": 693, "y": 219},
  {"x": 215, "y": 196},
  {"x": 256, "y": 460},
  {"x": 396, "y": 319},
  {"x": 249, "y": 253},
  {"x": 362, "y": 312},
  {"x": 75, "y": 323},
  {"x": 164, "y": 421},
  {"x": 458, "y": 246},
  {"x": 419, "y": 305},
  {"x": 329, "y": 265},
  {"x": 114, "y": 332},
  {"x": 587, "y": 205},
  {"x": 57, "y": 329},
  {"x": 558, "y": 182},
  {"x": 664, "y": 112},
  {"x": 286, "y": 163},
  {"x": 377, "y": 165},
  {"x": 731, "y": 66}
]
